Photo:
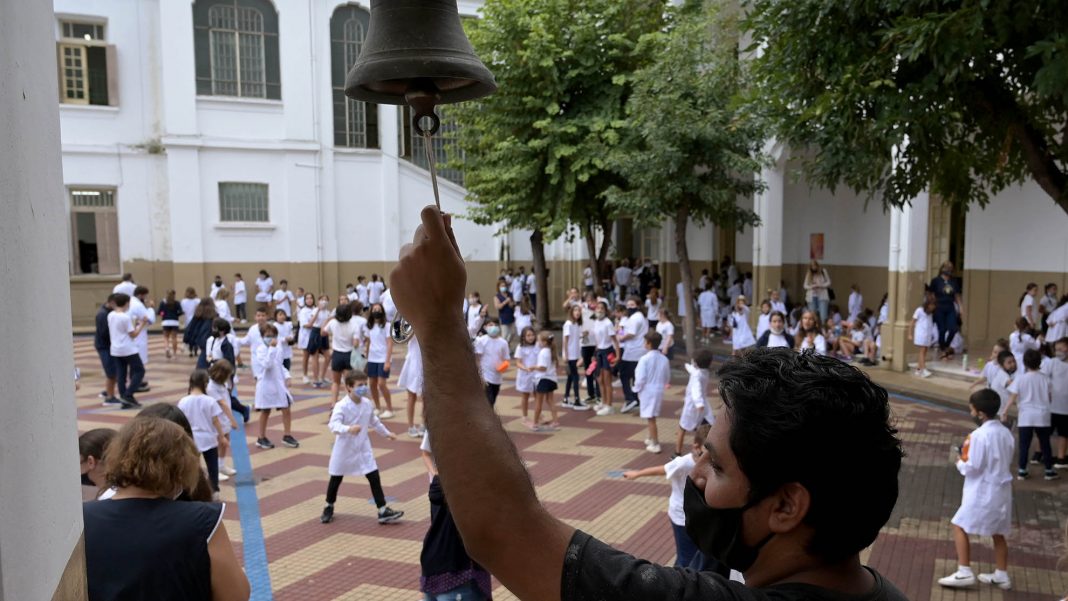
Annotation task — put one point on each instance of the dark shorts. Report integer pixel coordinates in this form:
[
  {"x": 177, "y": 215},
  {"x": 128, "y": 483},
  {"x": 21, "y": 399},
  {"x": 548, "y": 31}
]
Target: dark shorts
[
  {"x": 340, "y": 362},
  {"x": 317, "y": 343},
  {"x": 602, "y": 360},
  {"x": 170, "y": 328},
  {"x": 377, "y": 370},
  {"x": 1059, "y": 421},
  {"x": 545, "y": 386},
  {"x": 108, "y": 364},
  {"x": 287, "y": 363}
]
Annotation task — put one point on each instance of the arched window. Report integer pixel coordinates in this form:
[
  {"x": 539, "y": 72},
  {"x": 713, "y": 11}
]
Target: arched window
[
  {"x": 236, "y": 43},
  {"x": 355, "y": 122}
]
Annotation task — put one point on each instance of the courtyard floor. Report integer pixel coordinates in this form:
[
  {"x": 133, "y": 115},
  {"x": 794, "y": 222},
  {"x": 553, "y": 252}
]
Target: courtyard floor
[{"x": 273, "y": 504}]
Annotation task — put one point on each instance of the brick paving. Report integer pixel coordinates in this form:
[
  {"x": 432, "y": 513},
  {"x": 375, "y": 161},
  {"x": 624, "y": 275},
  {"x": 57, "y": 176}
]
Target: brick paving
[{"x": 356, "y": 558}]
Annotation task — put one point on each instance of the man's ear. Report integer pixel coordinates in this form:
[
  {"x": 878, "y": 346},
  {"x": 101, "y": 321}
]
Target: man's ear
[{"x": 792, "y": 502}]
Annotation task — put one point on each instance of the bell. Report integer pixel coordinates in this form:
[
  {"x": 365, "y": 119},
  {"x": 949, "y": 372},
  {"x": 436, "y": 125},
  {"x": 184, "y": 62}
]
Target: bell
[
  {"x": 416, "y": 53},
  {"x": 401, "y": 330}
]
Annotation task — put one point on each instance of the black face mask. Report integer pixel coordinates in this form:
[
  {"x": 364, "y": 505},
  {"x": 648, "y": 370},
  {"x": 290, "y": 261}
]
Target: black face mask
[
  {"x": 632, "y": 310},
  {"x": 978, "y": 419},
  {"x": 718, "y": 532}
]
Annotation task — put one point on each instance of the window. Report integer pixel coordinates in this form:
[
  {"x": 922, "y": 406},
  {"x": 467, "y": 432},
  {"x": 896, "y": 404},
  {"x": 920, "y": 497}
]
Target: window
[
  {"x": 243, "y": 202},
  {"x": 355, "y": 122},
  {"x": 236, "y": 45},
  {"x": 446, "y": 144},
  {"x": 94, "y": 231},
  {"x": 87, "y": 65}
]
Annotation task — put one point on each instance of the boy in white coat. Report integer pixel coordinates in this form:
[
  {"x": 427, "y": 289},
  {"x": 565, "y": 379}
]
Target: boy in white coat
[
  {"x": 352, "y": 455},
  {"x": 695, "y": 409},
  {"x": 986, "y": 505},
  {"x": 271, "y": 392},
  {"x": 650, "y": 378}
]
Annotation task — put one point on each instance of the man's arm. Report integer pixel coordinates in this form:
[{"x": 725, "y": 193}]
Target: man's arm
[{"x": 478, "y": 464}]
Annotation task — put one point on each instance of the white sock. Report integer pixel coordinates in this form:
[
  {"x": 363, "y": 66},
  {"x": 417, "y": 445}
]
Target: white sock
[
  {"x": 1001, "y": 575},
  {"x": 965, "y": 570},
  {"x": 382, "y": 509}
]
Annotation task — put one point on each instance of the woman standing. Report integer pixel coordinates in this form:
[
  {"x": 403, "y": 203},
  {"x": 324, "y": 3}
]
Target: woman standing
[{"x": 817, "y": 289}]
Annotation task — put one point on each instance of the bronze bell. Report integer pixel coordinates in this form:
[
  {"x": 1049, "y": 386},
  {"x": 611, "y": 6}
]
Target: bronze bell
[{"x": 416, "y": 53}]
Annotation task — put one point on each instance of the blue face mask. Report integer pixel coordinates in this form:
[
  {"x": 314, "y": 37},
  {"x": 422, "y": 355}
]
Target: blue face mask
[
  {"x": 493, "y": 331},
  {"x": 362, "y": 390}
]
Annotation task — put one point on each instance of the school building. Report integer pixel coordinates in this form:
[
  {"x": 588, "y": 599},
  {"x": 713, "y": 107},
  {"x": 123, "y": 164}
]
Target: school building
[{"x": 213, "y": 137}]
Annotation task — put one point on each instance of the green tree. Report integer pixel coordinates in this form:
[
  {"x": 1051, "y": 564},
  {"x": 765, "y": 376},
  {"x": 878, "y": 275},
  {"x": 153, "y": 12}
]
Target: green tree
[
  {"x": 690, "y": 152},
  {"x": 972, "y": 94},
  {"x": 534, "y": 152}
]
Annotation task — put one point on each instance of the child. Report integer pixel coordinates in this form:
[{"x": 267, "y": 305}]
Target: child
[
  {"x": 676, "y": 471},
  {"x": 546, "y": 374},
  {"x": 524, "y": 315},
  {"x": 855, "y": 304},
  {"x": 1031, "y": 391},
  {"x": 666, "y": 329},
  {"x": 986, "y": 505},
  {"x": 169, "y": 311},
  {"x": 283, "y": 297},
  {"x": 1056, "y": 369},
  {"x": 189, "y": 306},
  {"x": 604, "y": 336},
  {"x": 475, "y": 315},
  {"x": 741, "y": 335},
  {"x": 219, "y": 383},
  {"x": 1021, "y": 340},
  {"x": 301, "y": 322},
  {"x": 286, "y": 337},
  {"x": 352, "y": 455},
  {"x": 651, "y": 377},
  {"x": 240, "y": 298},
  {"x": 860, "y": 341},
  {"x": 526, "y": 357},
  {"x": 776, "y": 336},
  {"x": 922, "y": 334},
  {"x": 491, "y": 351},
  {"x": 835, "y": 314},
  {"x": 318, "y": 351},
  {"x": 411, "y": 380},
  {"x": 218, "y": 345},
  {"x": 123, "y": 332},
  {"x": 1002, "y": 377},
  {"x": 764, "y": 319},
  {"x": 271, "y": 382},
  {"x": 991, "y": 367},
  {"x": 203, "y": 413},
  {"x": 572, "y": 351},
  {"x": 1057, "y": 321},
  {"x": 696, "y": 410},
  {"x": 708, "y": 304},
  {"x": 379, "y": 353},
  {"x": 777, "y": 301}
]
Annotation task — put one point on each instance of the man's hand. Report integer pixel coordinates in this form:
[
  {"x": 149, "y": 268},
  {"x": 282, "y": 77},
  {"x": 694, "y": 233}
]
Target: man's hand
[{"x": 430, "y": 278}]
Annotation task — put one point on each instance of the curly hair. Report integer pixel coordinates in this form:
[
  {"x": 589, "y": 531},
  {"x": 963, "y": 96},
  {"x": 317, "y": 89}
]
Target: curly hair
[{"x": 152, "y": 454}]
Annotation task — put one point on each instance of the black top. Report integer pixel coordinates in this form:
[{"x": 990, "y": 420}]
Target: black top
[
  {"x": 227, "y": 349},
  {"x": 168, "y": 311},
  {"x": 102, "y": 339},
  {"x": 595, "y": 571},
  {"x": 197, "y": 332},
  {"x": 507, "y": 312},
  {"x": 149, "y": 549},
  {"x": 444, "y": 560},
  {"x": 945, "y": 292}
]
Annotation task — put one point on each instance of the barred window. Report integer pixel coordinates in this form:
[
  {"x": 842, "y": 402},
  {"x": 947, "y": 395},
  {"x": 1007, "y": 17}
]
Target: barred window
[
  {"x": 87, "y": 65},
  {"x": 94, "y": 231},
  {"x": 446, "y": 144},
  {"x": 355, "y": 121},
  {"x": 236, "y": 44},
  {"x": 243, "y": 202}
]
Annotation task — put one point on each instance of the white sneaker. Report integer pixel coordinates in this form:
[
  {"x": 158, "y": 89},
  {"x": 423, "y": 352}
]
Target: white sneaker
[
  {"x": 1004, "y": 585},
  {"x": 958, "y": 579},
  {"x": 653, "y": 447},
  {"x": 648, "y": 441},
  {"x": 377, "y": 413},
  {"x": 629, "y": 406},
  {"x": 605, "y": 410},
  {"x": 306, "y": 380},
  {"x": 385, "y": 414},
  {"x": 223, "y": 477},
  {"x": 414, "y": 432},
  {"x": 226, "y": 469}
]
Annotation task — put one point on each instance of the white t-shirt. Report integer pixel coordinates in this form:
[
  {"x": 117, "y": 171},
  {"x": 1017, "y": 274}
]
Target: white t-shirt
[
  {"x": 264, "y": 286},
  {"x": 282, "y": 298},
  {"x": 1000, "y": 384},
  {"x": 240, "y": 295},
  {"x": 532, "y": 284},
  {"x": 666, "y": 329},
  {"x": 638, "y": 326},
  {"x": 652, "y": 310},
  {"x": 126, "y": 288},
  {"x": 342, "y": 335},
  {"x": 707, "y": 301},
  {"x": 1057, "y": 372},
  {"x": 491, "y": 353},
  {"x": 602, "y": 330},
  {"x": 623, "y": 275},
  {"x": 362, "y": 294},
  {"x": 777, "y": 340},
  {"x": 374, "y": 291},
  {"x": 545, "y": 359},
  {"x": 474, "y": 318},
  {"x": 676, "y": 472},
  {"x": 200, "y": 410},
  {"x": 572, "y": 344},
  {"x": 379, "y": 344},
  {"x": 119, "y": 328},
  {"x": 215, "y": 288},
  {"x": 189, "y": 307},
  {"x": 587, "y": 277},
  {"x": 1033, "y": 398},
  {"x": 1028, "y": 302}
]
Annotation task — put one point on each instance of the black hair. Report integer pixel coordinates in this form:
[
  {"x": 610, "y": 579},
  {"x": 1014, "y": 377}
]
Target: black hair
[
  {"x": 138, "y": 291},
  {"x": 111, "y": 297},
  {"x": 355, "y": 375},
  {"x": 779, "y": 313},
  {"x": 654, "y": 339},
  {"x": 1029, "y": 286},
  {"x": 703, "y": 358},
  {"x": 263, "y": 272},
  {"x": 199, "y": 380},
  {"x": 491, "y": 319},
  {"x": 986, "y": 401},
  {"x": 121, "y": 299},
  {"x": 1003, "y": 355},
  {"x": 127, "y": 277},
  {"x": 378, "y": 318},
  {"x": 343, "y": 313},
  {"x": 168, "y": 412},
  {"x": 792, "y": 414},
  {"x": 1032, "y": 359},
  {"x": 1050, "y": 285},
  {"x": 94, "y": 442},
  {"x": 220, "y": 326}
]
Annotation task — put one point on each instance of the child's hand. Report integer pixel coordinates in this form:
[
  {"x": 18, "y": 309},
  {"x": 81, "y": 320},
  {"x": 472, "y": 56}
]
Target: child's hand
[
  {"x": 355, "y": 428},
  {"x": 630, "y": 475},
  {"x": 391, "y": 436}
]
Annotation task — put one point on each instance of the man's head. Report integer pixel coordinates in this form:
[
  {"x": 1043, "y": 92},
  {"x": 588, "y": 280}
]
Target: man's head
[{"x": 786, "y": 419}]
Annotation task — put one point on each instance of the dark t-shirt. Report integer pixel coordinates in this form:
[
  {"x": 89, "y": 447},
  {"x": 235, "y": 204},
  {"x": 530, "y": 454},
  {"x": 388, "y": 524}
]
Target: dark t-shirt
[
  {"x": 594, "y": 571},
  {"x": 102, "y": 338},
  {"x": 945, "y": 292},
  {"x": 507, "y": 312}
]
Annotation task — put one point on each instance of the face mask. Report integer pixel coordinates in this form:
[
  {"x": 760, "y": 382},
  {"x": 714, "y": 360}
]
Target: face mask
[
  {"x": 361, "y": 390},
  {"x": 493, "y": 331},
  {"x": 978, "y": 419},
  {"x": 378, "y": 315},
  {"x": 775, "y": 330},
  {"x": 503, "y": 289},
  {"x": 718, "y": 532},
  {"x": 599, "y": 314},
  {"x": 322, "y": 304},
  {"x": 473, "y": 301},
  {"x": 1061, "y": 355},
  {"x": 632, "y": 310},
  {"x": 947, "y": 272},
  {"x": 268, "y": 339}
]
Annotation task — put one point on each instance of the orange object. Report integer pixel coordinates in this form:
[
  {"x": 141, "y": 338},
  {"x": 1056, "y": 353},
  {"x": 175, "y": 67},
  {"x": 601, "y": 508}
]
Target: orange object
[
  {"x": 964, "y": 448},
  {"x": 503, "y": 367}
]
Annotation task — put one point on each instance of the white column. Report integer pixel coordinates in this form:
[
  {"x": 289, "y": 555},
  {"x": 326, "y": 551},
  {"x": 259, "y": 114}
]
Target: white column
[
  {"x": 767, "y": 237},
  {"x": 908, "y": 264},
  {"x": 41, "y": 556}
]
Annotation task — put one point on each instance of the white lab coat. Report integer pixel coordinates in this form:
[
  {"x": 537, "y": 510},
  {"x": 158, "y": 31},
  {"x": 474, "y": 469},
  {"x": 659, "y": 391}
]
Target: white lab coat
[
  {"x": 986, "y": 505},
  {"x": 411, "y": 374},
  {"x": 271, "y": 376},
  {"x": 352, "y": 454},
  {"x": 696, "y": 406},
  {"x": 650, "y": 378},
  {"x": 137, "y": 311}
]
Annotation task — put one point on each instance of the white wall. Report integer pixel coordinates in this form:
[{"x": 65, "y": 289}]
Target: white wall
[
  {"x": 1020, "y": 230},
  {"x": 41, "y": 517}
]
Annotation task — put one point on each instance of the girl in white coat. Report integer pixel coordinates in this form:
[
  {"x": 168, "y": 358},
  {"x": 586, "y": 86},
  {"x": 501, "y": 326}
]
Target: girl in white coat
[
  {"x": 352, "y": 455},
  {"x": 986, "y": 505},
  {"x": 741, "y": 336},
  {"x": 411, "y": 380},
  {"x": 271, "y": 391}
]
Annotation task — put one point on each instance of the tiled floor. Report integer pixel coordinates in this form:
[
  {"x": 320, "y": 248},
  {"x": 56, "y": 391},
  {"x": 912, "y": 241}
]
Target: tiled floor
[{"x": 356, "y": 558}]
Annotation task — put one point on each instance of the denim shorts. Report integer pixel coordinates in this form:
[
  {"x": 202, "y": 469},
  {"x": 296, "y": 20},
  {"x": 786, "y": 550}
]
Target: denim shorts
[{"x": 108, "y": 363}]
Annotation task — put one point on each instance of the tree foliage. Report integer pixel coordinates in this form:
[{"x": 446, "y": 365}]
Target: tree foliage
[{"x": 978, "y": 88}]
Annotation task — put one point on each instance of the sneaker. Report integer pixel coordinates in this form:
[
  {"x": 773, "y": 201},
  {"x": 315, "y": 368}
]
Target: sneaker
[
  {"x": 290, "y": 442},
  {"x": 305, "y": 380},
  {"x": 958, "y": 579},
  {"x": 328, "y": 514},
  {"x": 223, "y": 477},
  {"x": 647, "y": 441},
  {"x": 414, "y": 432},
  {"x": 1051, "y": 475},
  {"x": 1004, "y": 585},
  {"x": 387, "y": 414},
  {"x": 1021, "y": 474},
  {"x": 111, "y": 401},
  {"x": 923, "y": 373},
  {"x": 377, "y": 413},
  {"x": 653, "y": 447},
  {"x": 129, "y": 403},
  {"x": 579, "y": 406},
  {"x": 566, "y": 402},
  {"x": 264, "y": 443},
  {"x": 103, "y": 394},
  {"x": 388, "y": 516},
  {"x": 317, "y": 384},
  {"x": 1060, "y": 463},
  {"x": 605, "y": 410},
  {"x": 592, "y": 400},
  {"x": 144, "y": 387},
  {"x": 629, "y": 406},
  {"x": 226, "y": 469},
  {"x": 1036, "y": 458}
]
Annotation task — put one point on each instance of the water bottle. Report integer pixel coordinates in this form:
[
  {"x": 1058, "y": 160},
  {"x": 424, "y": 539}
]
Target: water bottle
[{"x": 964, "y": 362}]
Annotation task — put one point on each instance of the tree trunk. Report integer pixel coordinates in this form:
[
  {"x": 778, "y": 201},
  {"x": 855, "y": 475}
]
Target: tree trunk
[
  {"x": 591, "y": 252},
  {"x": 541, "y": 276},
  {"x": 602, "y": 254},
  {"x": 689, "y": 322}
]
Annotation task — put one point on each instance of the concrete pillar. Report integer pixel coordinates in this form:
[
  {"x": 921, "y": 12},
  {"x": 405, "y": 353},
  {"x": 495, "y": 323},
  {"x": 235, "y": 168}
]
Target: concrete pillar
[
  {"x": 41, "y": 554},
  {"x": 767, "y": 237},
  {"x": 908, "y": 264}
]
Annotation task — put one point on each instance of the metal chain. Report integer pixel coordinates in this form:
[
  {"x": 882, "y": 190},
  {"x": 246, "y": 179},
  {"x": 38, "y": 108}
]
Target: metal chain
[{"x": 428, "y": 147}]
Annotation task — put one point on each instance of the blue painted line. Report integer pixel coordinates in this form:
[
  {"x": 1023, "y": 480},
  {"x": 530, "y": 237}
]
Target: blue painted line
[
  {"x": 931, "y": 404},
  {"x": 248, "y": 508}
]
